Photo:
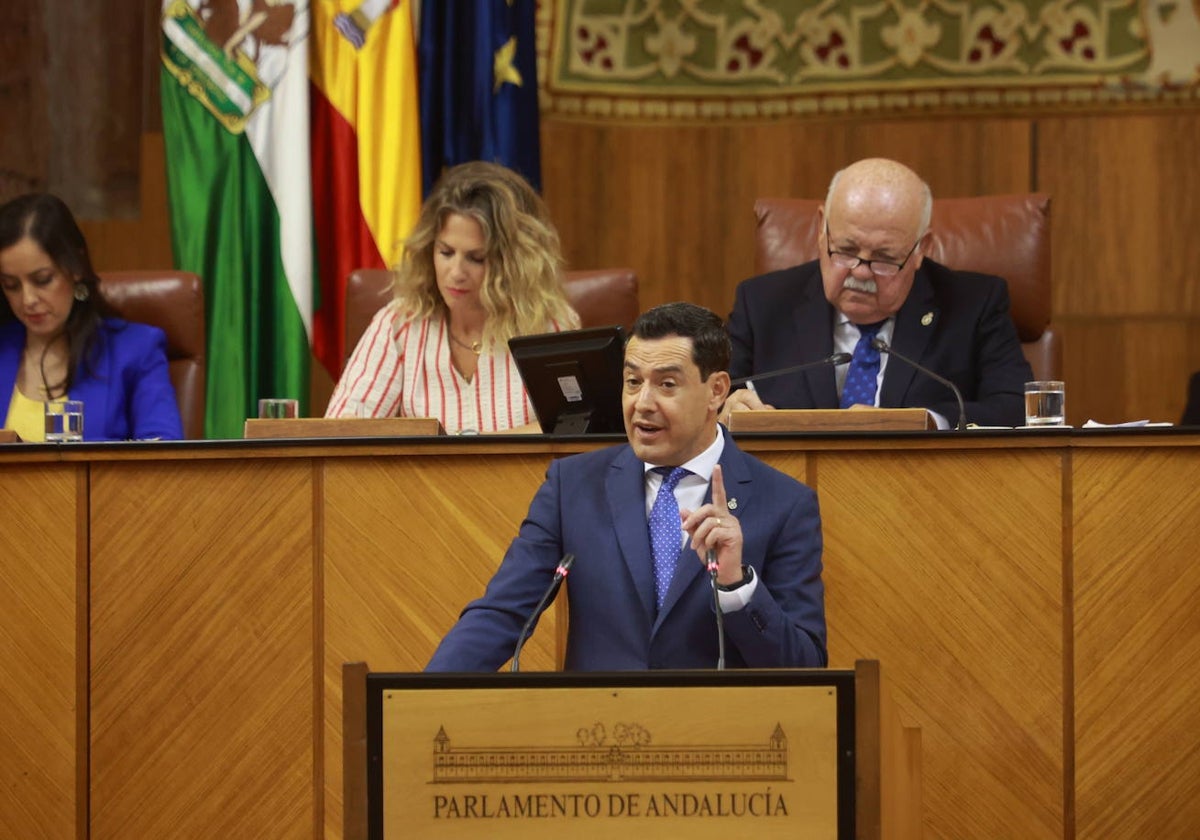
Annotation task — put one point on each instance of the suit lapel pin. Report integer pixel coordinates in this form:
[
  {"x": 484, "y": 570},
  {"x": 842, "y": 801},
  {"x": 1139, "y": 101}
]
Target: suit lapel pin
[
  {"x": 731, "y": 504},
  {"x": 926, "y": 319}
]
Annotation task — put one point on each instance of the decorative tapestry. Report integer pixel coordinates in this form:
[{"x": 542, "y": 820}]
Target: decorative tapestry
[{"x": 756, "y": 59}]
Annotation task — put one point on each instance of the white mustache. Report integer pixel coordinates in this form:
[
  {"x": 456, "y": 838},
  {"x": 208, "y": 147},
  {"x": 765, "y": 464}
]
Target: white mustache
[{"x": 854, "y": 284}]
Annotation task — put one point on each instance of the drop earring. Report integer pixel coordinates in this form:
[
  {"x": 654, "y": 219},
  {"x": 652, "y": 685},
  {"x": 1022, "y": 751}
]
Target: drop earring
[{"x": 81, "y": 292}]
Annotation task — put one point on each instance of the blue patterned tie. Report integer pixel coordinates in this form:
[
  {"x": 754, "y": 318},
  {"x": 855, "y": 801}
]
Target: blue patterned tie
[
  {"x": 863, "y": 373},
  {"x": 666, "y": 531}
]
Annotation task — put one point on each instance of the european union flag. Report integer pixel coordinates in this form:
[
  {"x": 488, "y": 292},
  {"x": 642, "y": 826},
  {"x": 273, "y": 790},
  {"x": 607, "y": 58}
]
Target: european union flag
[{"x": 478, "y": 75}]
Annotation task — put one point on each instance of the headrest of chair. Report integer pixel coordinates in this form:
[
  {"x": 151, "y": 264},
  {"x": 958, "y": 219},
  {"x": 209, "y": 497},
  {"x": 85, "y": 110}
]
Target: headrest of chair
[
  {"x": 173, "y": 301},
  {"x": 603, "y": 296},
  {"x": 1006, "y": 235}
]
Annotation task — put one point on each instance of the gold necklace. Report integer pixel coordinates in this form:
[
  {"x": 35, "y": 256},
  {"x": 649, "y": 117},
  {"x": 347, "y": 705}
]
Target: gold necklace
[{"x": 475, "y": 347}]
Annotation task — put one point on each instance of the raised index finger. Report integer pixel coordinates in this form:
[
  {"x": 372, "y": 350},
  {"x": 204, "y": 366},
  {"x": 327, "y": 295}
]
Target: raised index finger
[{"x": 718, "y": 489}]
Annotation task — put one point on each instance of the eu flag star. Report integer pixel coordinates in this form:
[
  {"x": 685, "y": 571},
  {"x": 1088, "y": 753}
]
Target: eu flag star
[{"x": 502, "y": 65}]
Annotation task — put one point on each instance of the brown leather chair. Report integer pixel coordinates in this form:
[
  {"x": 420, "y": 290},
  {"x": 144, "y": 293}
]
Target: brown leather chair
[
  {"x": 173, "y": 301},
  {"x": 601, "y": 296},
  {"x": 1007, "y": 235}
]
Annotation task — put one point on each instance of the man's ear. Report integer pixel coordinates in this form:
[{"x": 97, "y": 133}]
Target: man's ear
[
  {"x": 926, "y": 241},
  {"x": 720, "y": 384}
]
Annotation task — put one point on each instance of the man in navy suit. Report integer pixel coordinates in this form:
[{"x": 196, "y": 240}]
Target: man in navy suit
[
  {"x": 630, "y": 608},
  {"x": 873, "y": 273}
]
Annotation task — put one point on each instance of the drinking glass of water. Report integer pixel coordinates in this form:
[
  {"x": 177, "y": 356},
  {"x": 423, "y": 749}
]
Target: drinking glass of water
[
  {"x": 64, "y": 421},
  {"x": 278, "y": 408},
  {"x": 1045, "y": 403}
]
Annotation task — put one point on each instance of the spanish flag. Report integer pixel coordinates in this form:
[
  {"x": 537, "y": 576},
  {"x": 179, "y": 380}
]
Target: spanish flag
[{"x": 366, "y": 150}]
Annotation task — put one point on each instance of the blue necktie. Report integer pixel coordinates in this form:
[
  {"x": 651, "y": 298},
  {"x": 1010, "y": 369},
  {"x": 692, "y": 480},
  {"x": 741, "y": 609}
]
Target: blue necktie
[
  {"x": 863, "y": 373},
  {"x": 666, "y": 531}
]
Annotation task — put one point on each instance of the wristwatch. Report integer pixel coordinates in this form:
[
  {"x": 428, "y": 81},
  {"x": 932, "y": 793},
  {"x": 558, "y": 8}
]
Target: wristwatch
[{"x": 747, "y": 576}]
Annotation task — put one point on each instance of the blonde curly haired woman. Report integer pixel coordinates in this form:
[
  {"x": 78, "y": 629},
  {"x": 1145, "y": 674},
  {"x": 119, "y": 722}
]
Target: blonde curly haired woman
[{"x": 482, "y": 265}]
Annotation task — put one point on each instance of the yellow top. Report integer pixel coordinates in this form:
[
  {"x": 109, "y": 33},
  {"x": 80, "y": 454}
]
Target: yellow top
[{"x": 27, "y": 417}]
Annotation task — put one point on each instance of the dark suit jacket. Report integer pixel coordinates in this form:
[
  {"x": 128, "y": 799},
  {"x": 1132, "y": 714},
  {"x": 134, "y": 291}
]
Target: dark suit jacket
[
  {"x": 783, "y": 319},
  {"x": 593, "y": 506},
  {"x": 127, "y": 395}
]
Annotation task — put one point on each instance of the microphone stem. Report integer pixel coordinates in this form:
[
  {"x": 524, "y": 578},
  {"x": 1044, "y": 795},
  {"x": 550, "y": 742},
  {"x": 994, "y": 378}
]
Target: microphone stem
[
  {"x": 560, "y": 574},
  {"x": 884, "y": 347},
  {"x": 712, "y": 579}
]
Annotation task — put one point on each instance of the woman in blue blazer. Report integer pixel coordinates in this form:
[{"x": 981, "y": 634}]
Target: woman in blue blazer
[{"x": 58, "y": 339}]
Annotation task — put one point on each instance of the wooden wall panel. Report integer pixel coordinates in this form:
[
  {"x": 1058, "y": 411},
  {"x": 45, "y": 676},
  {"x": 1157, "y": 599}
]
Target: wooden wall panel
[
  {"x": 143, "y": 241},
  {"x": 1094, "y": 354},
  {"x": 925, "y": 572},
  {"x": 407, "y": 543},
  {"x": 1126, "y": 204},
  {"x": 202, "y": 663},
  {"x": 1120, "y": 369},
  {"x": 38, "y": 655},
  {"x": 1137, "y": 643},
  {"x": 71, "y": 91}
]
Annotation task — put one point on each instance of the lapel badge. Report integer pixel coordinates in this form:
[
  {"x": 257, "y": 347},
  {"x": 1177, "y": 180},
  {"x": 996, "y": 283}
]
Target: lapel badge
[
  {"x": 926, "y": 319},
  {"x": 731, "y": 504}
]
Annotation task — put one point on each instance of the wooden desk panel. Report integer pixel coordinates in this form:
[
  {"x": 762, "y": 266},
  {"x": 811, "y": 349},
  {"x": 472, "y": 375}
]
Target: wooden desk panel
[
  {"x": 407, "y": 543},
  {"x": 202, "y": 666},
  {"x": 946, "y": 566},
  {"x": 1137, "y": 643},
  {"x": 39, "y": 658}
]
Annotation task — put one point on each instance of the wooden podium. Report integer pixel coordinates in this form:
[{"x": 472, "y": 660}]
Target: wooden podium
[{"x": 808, "y": 753}]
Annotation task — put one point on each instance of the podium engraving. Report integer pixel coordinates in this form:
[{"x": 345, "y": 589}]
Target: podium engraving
[{"x": 631, "y": 756}]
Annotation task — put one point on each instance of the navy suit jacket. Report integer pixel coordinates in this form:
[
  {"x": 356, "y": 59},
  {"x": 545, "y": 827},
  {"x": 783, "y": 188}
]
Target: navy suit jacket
[
  {"x": 782, "y": 319},
  {"x": 126, "y": 392},
  {"x": 593, "y": 505}
]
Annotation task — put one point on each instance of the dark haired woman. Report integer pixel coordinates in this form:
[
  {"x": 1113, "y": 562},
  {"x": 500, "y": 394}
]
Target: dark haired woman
[{"x": 58, "y": 339}]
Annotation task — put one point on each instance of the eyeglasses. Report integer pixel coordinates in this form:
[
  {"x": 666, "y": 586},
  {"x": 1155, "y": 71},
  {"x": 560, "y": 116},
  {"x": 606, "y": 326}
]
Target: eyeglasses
[{"x": 880, "y": 268}]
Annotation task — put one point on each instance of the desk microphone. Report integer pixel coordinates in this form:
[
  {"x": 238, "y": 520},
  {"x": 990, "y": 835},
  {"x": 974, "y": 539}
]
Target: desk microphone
[
  {"x": 710, "y": 564},
  {"x": 882, "y": 346},
  {"x": 835, "y": 360},
  {"x": 560, "y": 574}
]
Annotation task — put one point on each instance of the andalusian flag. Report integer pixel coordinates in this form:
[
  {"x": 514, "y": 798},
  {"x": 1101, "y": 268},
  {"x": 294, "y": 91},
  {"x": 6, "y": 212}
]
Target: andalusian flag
[
  {"x": 235, "y": 121},
  {"x": 478, "y": 68},
  {"x": 366, "y": 149}
]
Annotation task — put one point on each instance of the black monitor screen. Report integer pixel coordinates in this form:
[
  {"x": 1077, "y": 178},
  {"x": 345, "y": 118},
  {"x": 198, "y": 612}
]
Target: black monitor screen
[{"x": 574, "y": 378}]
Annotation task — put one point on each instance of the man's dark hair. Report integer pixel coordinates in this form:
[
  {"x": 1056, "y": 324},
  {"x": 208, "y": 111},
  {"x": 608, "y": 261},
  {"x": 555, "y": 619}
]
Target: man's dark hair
[{"x": 710, "y": 342}]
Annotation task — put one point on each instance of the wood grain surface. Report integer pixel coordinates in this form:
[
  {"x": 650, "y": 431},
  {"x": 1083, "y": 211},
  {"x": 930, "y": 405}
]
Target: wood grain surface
[
  {"x": 408, "y": 542},
  {"x": 1031, "y": 595},
  {"x": 1137, "y": 643},
  {"x": 202, "y": 660},
  {"x": 39, "y": 654},
  {"x": 946, "y": 566}
]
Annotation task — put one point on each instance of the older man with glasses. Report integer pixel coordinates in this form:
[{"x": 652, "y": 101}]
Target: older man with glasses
[{"x": 873, "y": 284}]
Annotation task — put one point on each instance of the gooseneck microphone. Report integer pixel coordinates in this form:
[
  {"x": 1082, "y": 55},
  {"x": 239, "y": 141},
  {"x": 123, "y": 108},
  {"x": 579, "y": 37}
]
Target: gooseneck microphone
[
  {"x": 710, "y": 563},
  {"x": 560, "y": 574},
  {"x": 882, "y": 346},
  {"x": 835, "y": 360}
]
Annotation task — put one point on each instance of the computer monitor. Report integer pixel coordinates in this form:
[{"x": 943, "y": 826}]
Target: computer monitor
[{"x": 574, "y": 379}]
